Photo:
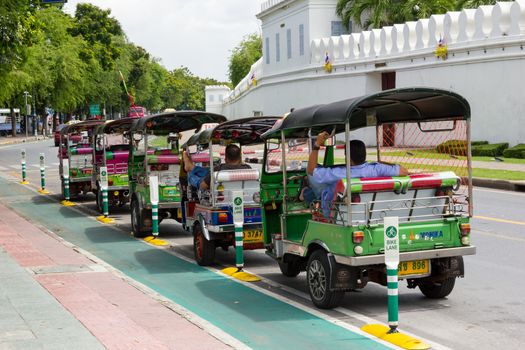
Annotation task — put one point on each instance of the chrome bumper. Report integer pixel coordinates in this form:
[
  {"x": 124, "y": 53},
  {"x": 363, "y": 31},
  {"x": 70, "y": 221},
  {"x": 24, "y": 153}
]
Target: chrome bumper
[{"x": 405, "y": 256}]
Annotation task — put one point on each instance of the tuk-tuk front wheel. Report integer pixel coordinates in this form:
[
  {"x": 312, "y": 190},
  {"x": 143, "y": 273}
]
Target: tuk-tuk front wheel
[
  {"x": 203, "y": 249},
  {"x": 290, "y": 267},
  {"x": 137, "y": 220},
  {"x": 318, "y": 280},
  {"x": 438, "y": 290}
]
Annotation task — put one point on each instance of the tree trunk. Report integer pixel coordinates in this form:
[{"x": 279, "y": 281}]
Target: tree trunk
[{"x": 13, "y": 122}]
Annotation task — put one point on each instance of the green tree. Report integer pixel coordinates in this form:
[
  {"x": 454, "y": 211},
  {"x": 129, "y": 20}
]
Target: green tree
[
  {"x": 98, "y": 29},
  {"x": 471, "y": 4},
  {"x": 243, "y": 56}
]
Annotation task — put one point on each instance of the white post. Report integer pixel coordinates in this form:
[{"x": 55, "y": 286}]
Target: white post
[{"x": 391, "y": 240}]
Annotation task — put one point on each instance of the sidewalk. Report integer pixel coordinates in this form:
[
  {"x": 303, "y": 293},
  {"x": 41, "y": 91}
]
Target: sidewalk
[
  {"x": 53, "y": 297},
  {"x": 9, "y": 140}
]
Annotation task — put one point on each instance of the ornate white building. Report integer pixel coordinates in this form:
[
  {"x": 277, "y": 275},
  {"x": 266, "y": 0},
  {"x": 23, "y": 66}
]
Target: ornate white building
[{"x": 485, "y": 62}]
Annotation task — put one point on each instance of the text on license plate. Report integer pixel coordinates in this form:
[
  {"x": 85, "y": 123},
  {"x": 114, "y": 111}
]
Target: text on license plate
[
  {"x": 415, "y": 267},
  {"x": 252, "y": 236}
]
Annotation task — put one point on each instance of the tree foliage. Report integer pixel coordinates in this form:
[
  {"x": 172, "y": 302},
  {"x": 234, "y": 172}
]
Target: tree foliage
[
  {"x": 243, "y": 56},
  {"x": 68, "y": 63},
  {"x": 377, "y": 13}
]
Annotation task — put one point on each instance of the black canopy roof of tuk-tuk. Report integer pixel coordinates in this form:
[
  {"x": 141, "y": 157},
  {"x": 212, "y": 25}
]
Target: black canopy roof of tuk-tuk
[
  {"x": 177, "y": 121},
  {"x": 81, "y": 126},
  {"x": 117, "y": 126},
  {"x": 245, "y": 131},
  {"x": 389, "y": 106}
]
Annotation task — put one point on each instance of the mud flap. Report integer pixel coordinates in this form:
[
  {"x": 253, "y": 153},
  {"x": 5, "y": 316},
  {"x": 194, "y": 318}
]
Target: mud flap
[{"x": 342, "y": 277}]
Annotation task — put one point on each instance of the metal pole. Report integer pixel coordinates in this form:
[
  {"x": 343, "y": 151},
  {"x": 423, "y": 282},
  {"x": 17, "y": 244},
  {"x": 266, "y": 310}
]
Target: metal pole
[
  {"x": 154, "y": 198},
  {"x": 24, "y": 181},
  {"x": 348, "y": 174},
  {"x": 43, "y": 174},
  {"x": 238, "y": 220}
]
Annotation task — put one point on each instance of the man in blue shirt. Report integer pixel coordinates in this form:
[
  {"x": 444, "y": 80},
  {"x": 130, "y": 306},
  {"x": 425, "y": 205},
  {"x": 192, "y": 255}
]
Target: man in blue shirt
[{"x": 325, "y": 179}]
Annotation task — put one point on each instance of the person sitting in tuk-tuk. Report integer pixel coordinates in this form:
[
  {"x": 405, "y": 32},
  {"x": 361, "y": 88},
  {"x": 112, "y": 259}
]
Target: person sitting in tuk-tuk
[
  {"x": 326, "y": 178},
  {"x": 199, "y": 177}
]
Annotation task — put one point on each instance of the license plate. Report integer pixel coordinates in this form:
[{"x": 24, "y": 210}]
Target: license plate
[
  {"x": 253, "y": 236},
  {"x": 415, "y": 267},
  {"x": 170, "y": 192}
]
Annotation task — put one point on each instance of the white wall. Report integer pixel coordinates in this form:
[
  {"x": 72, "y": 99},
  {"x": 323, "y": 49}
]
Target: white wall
[{"x": 485, "y": 64}]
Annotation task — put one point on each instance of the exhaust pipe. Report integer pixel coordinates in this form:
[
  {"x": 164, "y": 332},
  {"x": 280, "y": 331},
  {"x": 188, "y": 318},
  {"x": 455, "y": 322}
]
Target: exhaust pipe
[{"x": 126, "y": 194}]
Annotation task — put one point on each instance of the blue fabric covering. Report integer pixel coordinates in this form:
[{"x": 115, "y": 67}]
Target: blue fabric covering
[{"x": 196, "y": 175}]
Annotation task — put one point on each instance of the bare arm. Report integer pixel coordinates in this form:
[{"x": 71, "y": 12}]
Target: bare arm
[
  {"x": 403, "y": 171},
  {"x": 314, "y": 154},
  {"x": 187, "y": 163}
]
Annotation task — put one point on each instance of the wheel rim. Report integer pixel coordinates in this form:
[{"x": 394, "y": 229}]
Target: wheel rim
[
  {"x": 198, "y": 243},
  {"x": 317, "y": 280}
]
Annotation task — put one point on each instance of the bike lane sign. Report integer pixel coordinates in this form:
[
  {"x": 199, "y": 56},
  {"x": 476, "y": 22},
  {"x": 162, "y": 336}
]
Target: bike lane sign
[{"x": 391, "y": 239}]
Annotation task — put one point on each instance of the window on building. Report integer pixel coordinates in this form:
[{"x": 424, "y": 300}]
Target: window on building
[
  {"x": 221, "y": 97},
  {"x": 258, "y": 113},
  {"x": 267, "y": 53},
  {"x": 277, "y": 48},
  {"x": 289, "y": 43},
  {"x": 338, "y": 29},
  {"x": 211, "y": 98},
  {"x": 301, "y": 39}
]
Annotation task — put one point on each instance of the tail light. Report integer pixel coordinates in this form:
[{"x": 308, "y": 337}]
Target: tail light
[
  {"x": 110, "y": 182},
  {"x": 223, "y": 218},
  {"x": 464, "y": 229},
  {"x": 358, "y": 237},
  {"x": 235, "y": 134},
  {"x": 216, "y": 135}
]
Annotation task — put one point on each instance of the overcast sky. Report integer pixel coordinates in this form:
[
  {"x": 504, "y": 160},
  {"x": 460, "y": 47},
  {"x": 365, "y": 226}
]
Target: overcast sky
[{"x": 198, "y": 34}]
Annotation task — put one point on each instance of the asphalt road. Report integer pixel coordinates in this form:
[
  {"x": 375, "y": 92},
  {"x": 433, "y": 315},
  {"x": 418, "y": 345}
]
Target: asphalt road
[{"x": 486, "y": 310}]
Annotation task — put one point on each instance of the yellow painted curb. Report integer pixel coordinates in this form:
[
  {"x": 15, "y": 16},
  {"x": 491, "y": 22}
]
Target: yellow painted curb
[
  {"x": 105, "y": 220},
  {"x": 155, "y": 241},
  {"x": 67, "y": 203},
  {"x": 240, "y": 275},
  {"x": 43, "y": 191},
  {"x": 402, "y": 340},
  {"x": 24, "y": 182}
]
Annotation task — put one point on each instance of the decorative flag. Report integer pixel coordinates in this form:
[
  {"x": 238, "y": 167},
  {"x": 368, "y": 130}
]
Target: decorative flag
[
  {"x": 254, "y": 80},
  {"x": 441, "y": 49},
  {"x": 327, "y": 63},
  {"x": 126, "y": 89}
]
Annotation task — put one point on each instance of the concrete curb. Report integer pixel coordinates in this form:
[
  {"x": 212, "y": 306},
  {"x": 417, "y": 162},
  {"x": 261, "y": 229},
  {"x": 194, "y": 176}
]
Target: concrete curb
[{"x": 518, "y": 186}]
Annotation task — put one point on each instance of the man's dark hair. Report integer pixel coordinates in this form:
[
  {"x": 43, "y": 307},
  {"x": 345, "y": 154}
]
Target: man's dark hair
[
  {"x": 357, "y": 152},
  {"x": 233, "y": 153}
]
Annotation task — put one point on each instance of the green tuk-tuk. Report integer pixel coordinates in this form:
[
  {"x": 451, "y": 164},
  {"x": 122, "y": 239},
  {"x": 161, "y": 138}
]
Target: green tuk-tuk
[
  {"x": 154, "y": 151},
  {"x": 338, "y": 238},
  {"x": 111, "y": 150}
]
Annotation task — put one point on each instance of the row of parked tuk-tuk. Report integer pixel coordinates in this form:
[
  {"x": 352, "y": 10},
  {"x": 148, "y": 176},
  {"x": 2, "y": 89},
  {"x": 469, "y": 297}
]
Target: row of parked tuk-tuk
[{"x": 340, "y": 251}]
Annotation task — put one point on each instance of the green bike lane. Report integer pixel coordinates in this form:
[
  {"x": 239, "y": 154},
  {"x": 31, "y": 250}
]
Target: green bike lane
[{"x": 254, "y": 318}]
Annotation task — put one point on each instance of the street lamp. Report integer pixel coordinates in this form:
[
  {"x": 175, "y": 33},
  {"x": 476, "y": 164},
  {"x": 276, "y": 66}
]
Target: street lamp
[{"x": 26, "y": 94}]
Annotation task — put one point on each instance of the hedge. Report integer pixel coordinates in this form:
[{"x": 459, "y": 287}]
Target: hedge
[
  {"x": 455, "y": 147},
  {"x": 478, "y": 143},
  {"x": 491, "y": 150},
  {"x": 517, "y": 151}
]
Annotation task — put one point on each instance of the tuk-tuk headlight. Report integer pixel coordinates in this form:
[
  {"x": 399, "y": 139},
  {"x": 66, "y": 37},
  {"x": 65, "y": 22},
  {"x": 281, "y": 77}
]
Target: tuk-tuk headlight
[{"x": 257, "y": 197}]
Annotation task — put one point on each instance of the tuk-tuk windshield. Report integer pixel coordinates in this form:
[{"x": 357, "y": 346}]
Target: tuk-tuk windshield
[{"x": 297, "y": 152}]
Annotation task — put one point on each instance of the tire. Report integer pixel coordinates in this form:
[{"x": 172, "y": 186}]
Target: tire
[
  {"x": 203, "y": 249},
  {"x": 438, "y": 290},
  {"x": 137, "y": 220},
  {"x": 290, "y": 268},
  {"x": 318, "y": 282},
  {"x": 100, "y": 204}
]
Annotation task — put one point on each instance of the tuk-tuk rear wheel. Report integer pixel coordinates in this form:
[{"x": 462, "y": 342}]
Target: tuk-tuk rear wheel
[
  {"x": 318, "y": 281},
  {"x": 203, "y": 249}
]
